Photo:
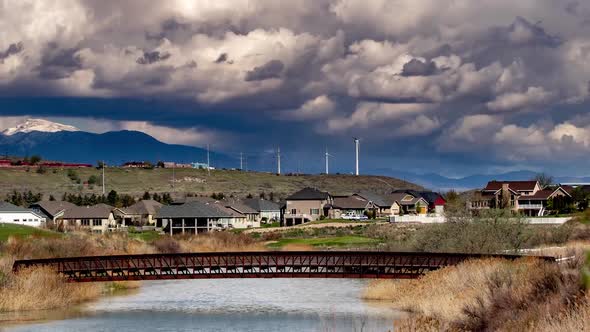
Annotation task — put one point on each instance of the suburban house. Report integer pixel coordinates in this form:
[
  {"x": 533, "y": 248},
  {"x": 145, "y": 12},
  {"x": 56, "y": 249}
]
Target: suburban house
[
  {"x": 306, "y": 205},
  {"x": 192, "y": 217},
  {"x": 436, "y": 203},
  {"x": 352, "y": 204},
  {"x": 51, "y": 210},
  {"x": 526, "y": 197},
  {"x": 13, "y": 214},
  {"x": 96, "y": 218},
  {"x": 252, "y": 216},
  {"x": 139, "y": 214},
  {"x": 382, "y": 203},
  {"x": 410, "y": 202},
  {"x": 269, "y": 210}
]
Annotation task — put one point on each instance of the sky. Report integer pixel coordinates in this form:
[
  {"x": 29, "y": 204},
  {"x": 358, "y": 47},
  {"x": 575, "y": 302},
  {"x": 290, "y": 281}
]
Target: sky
[{"x": 454, "y": 87}]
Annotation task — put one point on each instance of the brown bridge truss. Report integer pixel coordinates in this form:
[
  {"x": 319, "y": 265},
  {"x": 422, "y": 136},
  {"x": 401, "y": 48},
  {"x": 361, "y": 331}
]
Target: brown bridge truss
[{"x": 263, "y": 264}]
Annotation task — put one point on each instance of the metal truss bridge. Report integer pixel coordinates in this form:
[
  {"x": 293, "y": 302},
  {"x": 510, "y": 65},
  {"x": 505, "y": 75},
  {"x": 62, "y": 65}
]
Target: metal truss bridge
[{"x": 263, "y": 264}]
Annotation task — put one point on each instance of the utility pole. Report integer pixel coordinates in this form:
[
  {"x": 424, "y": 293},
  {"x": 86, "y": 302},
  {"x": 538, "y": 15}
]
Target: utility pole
[
  {"x": 103, "y": 189},
  {"x": 279, "y": 160},
  {"x": 173, "y": 176},
  {"x": 356, "y": 145},
  {"x": 208, "y": 166},
  {"x": 241, "y": 161}
]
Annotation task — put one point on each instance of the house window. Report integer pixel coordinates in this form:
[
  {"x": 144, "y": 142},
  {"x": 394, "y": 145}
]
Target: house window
[
  {"x": 16, "y": 220},
  {"x": 96, "y": 222},
  {"x": 85, "y": 222},
  {"x": 293, "y": 211},
  {"x": 314, "y": 211}
]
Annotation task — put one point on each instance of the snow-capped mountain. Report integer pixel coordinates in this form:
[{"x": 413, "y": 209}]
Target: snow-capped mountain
[{"x": 41, "y": 125}]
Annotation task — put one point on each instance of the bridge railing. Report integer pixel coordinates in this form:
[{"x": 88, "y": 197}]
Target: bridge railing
[{"x": 264, "y": 264}]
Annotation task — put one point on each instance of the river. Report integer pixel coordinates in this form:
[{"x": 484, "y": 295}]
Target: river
[{"x": 229, "y": 305}]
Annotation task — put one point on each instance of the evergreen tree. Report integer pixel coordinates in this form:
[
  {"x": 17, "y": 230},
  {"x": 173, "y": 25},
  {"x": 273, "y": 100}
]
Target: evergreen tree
[
  {"x": 146, "y": 196},
  {"x": 112, "y": 198}
]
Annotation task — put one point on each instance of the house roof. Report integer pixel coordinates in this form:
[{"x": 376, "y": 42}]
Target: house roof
[
  {"x": 193, "y": 209},
  {"x": 53, "y": 207},
  {"x": 431, "y": 196},
  {"x": 380, "y": 200},
  {"x": 514, "y": 185},
  {"x": 240, "y": 207},
  {"x": 414, "y": 201},
  {"x": 309, "y": 194},
  {"x": 148, "y": 206},
  {"x": 544, "y": 194},
  {"x": 350, "y": 202},
  {"x": 8, "y": 207},
  {"x": 260, "y": 205},
  {"x": 98, "y": 211}
]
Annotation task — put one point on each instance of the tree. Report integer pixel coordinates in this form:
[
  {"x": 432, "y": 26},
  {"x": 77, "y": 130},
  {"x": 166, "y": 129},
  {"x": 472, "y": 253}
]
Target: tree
[
  {"x": 545, "y": 180},
  {"x": 41, "y": 169},
  {"x": 35, "y": 159},
  {"x": 51, "y": 198},
  {"x": 146, "y": 195},
  {"x": 160, "y": 164},
  {"x": 93, "y": 179},
  {"x": 112, "y": 198},
  {"x": 100, "y": 164}
]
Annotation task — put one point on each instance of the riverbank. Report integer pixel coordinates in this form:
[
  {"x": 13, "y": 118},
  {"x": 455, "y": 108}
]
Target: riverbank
[
  {"x": 39, "y": 289},
  {"x": 489, "y": 295}
]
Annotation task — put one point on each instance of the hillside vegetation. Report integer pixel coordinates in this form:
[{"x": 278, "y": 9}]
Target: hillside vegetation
[{"x": 137, "y": 181}]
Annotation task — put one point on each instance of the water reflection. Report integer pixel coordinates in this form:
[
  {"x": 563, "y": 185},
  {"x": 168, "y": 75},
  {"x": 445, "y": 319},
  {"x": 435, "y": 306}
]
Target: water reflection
[{"x": 232, "y": 304}]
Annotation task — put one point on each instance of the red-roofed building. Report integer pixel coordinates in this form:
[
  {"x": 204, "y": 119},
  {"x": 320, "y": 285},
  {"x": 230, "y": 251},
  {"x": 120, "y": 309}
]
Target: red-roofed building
[{"x": 526, "y": 197}]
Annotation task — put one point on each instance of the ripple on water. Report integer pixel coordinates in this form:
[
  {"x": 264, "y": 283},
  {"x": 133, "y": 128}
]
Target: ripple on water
[{"x": 234, "y": 304}]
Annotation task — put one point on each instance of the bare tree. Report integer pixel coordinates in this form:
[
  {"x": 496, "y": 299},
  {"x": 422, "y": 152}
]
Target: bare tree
[{"x": 545, "y": 180}]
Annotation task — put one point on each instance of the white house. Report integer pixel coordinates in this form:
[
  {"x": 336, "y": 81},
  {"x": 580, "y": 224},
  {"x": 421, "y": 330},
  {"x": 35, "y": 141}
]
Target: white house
[{"x": 13, "y": 214}]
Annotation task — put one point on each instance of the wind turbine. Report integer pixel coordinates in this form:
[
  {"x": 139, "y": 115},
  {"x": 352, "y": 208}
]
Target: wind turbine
[
  {"x": 327, "y": 163},
  {"x": 356, "y": 146}
]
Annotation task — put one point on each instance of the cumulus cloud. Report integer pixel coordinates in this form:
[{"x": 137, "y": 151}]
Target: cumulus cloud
[
  {"x": 271, "y": 69},
  {"x": 533, "y": 96},
  {"x": 458, "y": 72},
  {"x": 316, "y": 108},
  {"x": 369, "y": 114}
]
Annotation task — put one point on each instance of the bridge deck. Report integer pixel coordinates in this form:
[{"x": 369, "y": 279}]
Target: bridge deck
[{"x": 264, "y": 264}]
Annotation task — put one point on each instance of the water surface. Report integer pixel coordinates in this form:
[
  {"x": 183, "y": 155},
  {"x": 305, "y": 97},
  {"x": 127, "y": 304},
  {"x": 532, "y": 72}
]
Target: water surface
[{"x": 230, "y": 305}]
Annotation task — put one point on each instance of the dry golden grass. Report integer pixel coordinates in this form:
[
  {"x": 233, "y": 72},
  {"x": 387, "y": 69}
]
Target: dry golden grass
[
  {"x": 442, "y": 293},
  {"x": 577, "y": 319},
  {"x": 297, "y": 247},
  {"x": 487, "y": 295},
  {"x": 38, "y": 289},
  {"x": 42, "y": 288}
]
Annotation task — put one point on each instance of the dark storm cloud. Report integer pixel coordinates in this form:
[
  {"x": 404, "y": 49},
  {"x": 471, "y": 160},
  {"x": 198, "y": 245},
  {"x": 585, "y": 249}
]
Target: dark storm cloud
[
  {"x": 271, "y": 69},
  {"x": 152, "y": 57},
  {"x": 417, "y": 67},
  {"x": 12, "y": 49},
  {"x": 222, "y": 58},
  {"x": 59, "y": 63}
]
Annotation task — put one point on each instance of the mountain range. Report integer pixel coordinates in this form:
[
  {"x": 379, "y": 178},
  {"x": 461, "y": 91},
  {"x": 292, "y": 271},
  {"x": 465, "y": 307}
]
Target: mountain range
[
  {"x": 441, "y": 183},
  {"x": 54, "y": 141}
]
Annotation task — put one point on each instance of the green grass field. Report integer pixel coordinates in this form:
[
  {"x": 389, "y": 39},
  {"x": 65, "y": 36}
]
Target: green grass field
[
  {"x": 332, "y": 241},
  {"x": 137, "y": 181},
  {"x": 147, "y": 236},
  {"x": 7, "y": 230}
]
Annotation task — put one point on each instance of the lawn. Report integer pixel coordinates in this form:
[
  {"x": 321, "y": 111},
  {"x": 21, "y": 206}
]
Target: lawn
[
  {"x": 7, "y": 230},
  {"x": 335, "y": 241}
]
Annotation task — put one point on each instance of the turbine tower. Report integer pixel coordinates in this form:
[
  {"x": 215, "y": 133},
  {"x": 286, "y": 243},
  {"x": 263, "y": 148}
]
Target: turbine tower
[
  {"x": 279, "y": 160},
  {"x": 327, "y": 162},
  {"x": 356, "y": 146}
]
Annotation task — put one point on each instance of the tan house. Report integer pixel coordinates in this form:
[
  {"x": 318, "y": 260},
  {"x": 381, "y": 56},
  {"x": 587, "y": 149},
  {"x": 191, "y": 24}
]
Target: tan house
[
  {"x": 96, "y": 218},
  {"x": 352, "y": 204},
  {"x": 139, "y": 214},
  {"x": 52, "y": 210},
  {"x": 306, "y": 205}
]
